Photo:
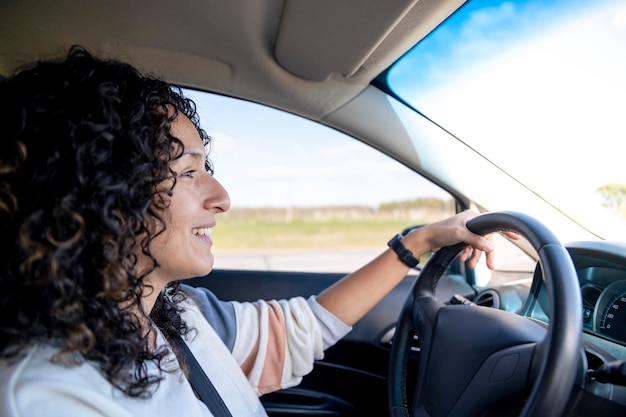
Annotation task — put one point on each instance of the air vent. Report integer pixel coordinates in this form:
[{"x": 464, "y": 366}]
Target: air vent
[{"x": 488, "y": 298}]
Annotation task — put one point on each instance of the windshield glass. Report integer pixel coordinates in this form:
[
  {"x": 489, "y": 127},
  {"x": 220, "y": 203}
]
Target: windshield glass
[{"x": 538, "y": 88}]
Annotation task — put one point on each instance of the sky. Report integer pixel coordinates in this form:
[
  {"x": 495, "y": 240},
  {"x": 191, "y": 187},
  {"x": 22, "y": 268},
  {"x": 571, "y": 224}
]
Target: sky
[
  {"x": 266, "y": 157},
  {"x": 559, "y": 90},
  {"x": 483, "y": 78}
]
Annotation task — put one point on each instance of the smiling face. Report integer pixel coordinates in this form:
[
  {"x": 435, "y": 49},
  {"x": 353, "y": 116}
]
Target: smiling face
[{"x": 184, "y": 249}]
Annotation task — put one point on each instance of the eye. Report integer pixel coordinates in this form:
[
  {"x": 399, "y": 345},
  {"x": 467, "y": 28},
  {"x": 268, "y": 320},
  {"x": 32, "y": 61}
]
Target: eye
[{"x": 188, "y": 173}]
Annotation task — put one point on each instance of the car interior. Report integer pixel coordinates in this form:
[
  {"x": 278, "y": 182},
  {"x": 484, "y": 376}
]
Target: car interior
[{"x": 546, "y": 339}]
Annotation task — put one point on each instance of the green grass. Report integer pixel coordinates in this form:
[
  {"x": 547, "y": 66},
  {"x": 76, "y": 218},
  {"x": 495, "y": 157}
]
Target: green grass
[{"x": 251, "y": 234}]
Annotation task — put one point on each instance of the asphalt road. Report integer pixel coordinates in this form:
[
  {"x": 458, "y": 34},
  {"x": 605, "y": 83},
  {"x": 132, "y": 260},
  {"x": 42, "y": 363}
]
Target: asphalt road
[{"x": 305, "y": 261}]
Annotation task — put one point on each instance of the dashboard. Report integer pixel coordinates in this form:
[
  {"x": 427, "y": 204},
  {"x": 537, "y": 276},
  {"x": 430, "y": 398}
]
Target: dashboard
[
  {"x": 604, "y": 307},
  {"x": 601, "y": 270}
]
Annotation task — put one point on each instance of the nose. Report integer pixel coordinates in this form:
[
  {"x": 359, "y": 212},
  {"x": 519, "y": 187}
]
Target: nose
[{"x": 217, "y": 197}]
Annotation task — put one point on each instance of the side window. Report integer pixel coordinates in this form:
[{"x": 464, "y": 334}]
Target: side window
[{"x": 305, "y": 197}]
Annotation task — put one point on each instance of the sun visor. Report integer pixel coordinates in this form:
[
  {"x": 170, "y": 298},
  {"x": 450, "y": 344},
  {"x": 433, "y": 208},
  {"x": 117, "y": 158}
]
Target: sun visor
[{"x": 322, "y": 37}]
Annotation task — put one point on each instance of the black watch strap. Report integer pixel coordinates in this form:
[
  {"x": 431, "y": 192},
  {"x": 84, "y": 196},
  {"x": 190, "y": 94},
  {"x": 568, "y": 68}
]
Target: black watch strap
[{"x": 403, "y": 253}]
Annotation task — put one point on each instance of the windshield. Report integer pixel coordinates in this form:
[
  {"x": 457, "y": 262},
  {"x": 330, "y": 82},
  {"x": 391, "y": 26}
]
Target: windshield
[{"x": 538, "y": 88}]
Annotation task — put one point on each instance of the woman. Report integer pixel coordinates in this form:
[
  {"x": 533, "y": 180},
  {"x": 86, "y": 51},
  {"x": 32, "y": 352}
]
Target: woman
[{"x": 107, "y": 200}]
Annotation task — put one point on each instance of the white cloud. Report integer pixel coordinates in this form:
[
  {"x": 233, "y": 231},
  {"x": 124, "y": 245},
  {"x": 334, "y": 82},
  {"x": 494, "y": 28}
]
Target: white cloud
[{"x": 538, "y": 96}]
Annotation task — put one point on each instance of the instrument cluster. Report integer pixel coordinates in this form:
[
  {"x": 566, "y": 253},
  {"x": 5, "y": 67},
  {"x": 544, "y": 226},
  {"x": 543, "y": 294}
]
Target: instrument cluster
[
  {"x": 604, "y": 310},
  {"x": 601, "y": 270}
]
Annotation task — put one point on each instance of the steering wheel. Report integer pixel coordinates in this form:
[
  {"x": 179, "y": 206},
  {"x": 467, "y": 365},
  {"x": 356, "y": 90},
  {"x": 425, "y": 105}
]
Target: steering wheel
[{"x": 473, "y": 357}]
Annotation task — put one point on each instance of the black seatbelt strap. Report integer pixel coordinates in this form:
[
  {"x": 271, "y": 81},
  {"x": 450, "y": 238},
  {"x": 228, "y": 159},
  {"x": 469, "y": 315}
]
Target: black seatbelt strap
[{"x": 200, "y": 382}]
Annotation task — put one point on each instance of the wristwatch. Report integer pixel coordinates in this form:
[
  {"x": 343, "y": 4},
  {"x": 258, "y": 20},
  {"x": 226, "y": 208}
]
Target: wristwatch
[{"x": 405, "y": 255}]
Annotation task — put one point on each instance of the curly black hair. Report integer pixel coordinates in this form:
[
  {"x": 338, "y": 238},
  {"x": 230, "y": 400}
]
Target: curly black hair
[{"x": 84, "y": 151}]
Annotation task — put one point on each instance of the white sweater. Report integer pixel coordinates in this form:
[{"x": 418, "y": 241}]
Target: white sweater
[{"x": 246, "y": 349}]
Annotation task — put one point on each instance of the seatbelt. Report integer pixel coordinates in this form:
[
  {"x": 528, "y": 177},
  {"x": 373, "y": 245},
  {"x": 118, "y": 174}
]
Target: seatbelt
[{"x": 200, "y": 382}]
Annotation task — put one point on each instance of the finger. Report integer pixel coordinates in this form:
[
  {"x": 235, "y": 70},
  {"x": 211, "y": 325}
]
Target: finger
[
  {"x": 483, "y": 243},
  {"x": 490, "y": 259},
  {"x": 465, "y": 255},
  {"x": 475, "y": 257},
  {"x": 512, "y": 235}
]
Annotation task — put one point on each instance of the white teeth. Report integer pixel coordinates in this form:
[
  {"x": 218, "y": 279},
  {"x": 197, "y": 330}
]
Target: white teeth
[{"x": 202, "y": 231}]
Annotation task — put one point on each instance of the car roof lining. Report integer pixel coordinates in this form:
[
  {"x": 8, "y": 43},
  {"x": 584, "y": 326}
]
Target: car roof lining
[{"x": 262, "y": 57}]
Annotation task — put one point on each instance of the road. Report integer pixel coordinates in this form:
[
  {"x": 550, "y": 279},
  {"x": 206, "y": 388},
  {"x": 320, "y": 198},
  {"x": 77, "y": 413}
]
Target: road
[{"x": 344, "y": 260}]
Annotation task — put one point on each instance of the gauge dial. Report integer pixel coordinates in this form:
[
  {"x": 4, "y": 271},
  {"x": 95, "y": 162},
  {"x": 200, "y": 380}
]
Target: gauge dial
[
  {"x": 612, "y": 306},
  {"x": 613, "y": 322}
]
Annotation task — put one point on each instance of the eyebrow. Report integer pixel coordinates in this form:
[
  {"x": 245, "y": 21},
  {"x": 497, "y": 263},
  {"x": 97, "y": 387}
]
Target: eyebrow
[{"x": 194, "y": 154}]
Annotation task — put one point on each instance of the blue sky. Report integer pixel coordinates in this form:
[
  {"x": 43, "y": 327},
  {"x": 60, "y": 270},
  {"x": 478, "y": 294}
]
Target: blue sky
[
  {"x": 547, "y": 76},
  {"x": 266, "y": 157}
]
